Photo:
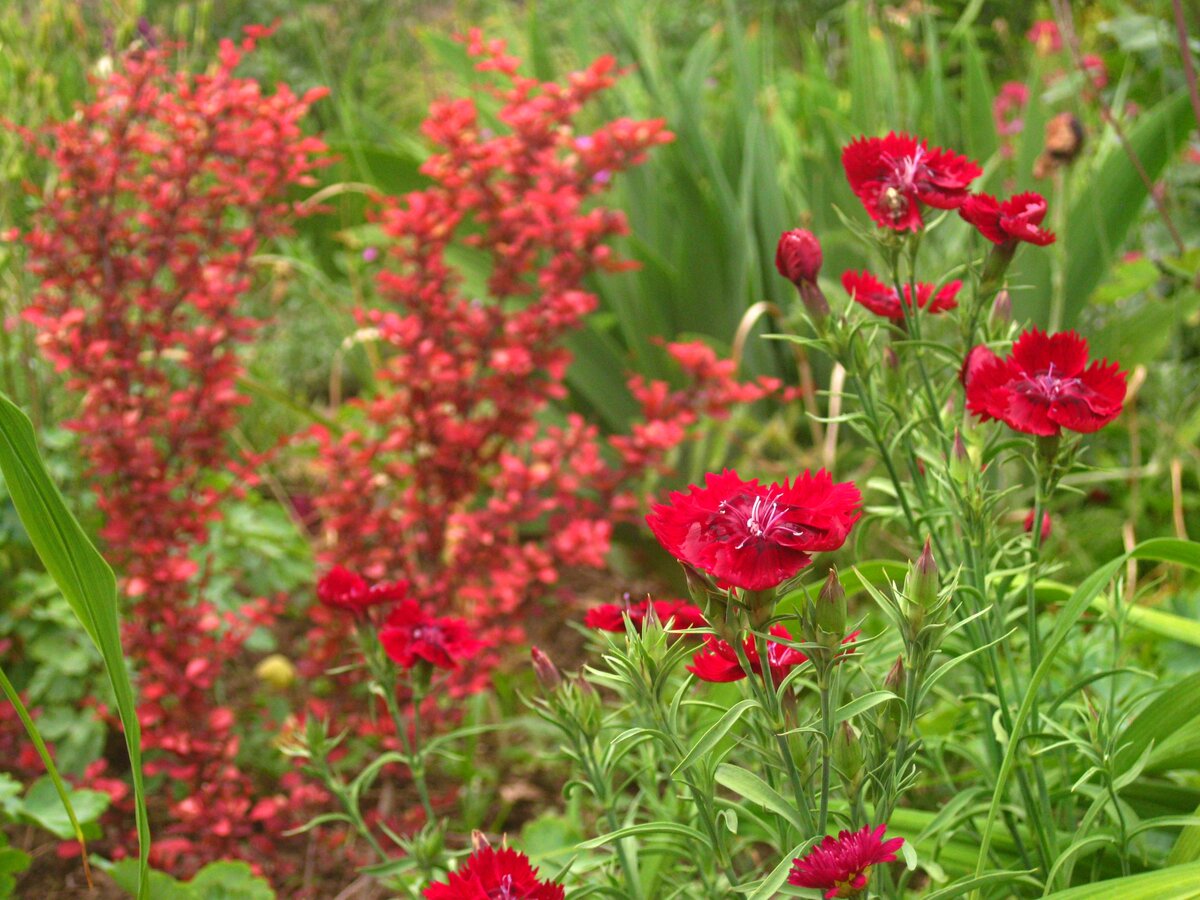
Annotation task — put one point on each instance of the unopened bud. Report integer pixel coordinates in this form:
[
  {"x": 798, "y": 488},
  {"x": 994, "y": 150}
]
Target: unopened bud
[
  {"x": 798, "y": 258},
  {"x": 960, "y": 460},
  {"x": 891, "y": 361},
  {"x": 543, "y": 667},
  {"x": 892, "y": 713},
  {"x": 894, "y": 681},
  {"x": 1002, "y": 308},
  {"x": 848, "y": 756},
  {"x": 831, "y": 612},
  {"x": 920, "y": 590}
]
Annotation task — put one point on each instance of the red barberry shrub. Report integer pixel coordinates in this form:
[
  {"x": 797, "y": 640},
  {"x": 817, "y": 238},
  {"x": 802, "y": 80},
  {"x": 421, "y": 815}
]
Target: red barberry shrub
[
  {"x": 458, "y": 472},
  {"x": 163, "y": 188}
]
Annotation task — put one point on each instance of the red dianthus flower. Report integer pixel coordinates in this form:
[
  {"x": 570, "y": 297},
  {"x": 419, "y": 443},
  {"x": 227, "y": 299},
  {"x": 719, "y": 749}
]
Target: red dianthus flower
[
  {"x": 611, "y": 616},
  {"x": 892, "y": 175},
  {"x": 342, "y": 589},
  {"x": 1016, "y": 219},
  {"x": 755, "y": 536},
  {"x": 411, "y": 634},
  {"x": 718, "y": 660},
  {"x": 839, "y": 866},
  {"x": 1045, "y": 385},
  {"x": 495, "y": 875},
  {"x": 880, "y": 299}
]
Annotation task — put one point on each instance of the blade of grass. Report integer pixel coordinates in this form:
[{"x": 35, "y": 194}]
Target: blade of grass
[{"x": 85, "y": 580}]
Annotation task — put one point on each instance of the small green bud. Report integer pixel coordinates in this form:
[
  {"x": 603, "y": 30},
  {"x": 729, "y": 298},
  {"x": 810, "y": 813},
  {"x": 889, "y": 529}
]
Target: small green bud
[
  {"x": 960, "y": 460},
  {"x": 891, "y": 714},
  {"x": 1002, "y": 308},
  {"x": 848, "y": 756},
  {"x": 920, "y": 589},
  {"x": 830, "y": 615}
]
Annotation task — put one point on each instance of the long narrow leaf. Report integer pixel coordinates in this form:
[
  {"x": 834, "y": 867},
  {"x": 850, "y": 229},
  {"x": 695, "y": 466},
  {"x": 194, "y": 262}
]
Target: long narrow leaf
[{"x": 84, "y": 578}]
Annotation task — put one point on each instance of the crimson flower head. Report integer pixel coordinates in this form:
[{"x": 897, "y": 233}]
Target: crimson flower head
[
  {"x": 840, "y": 866},
  {"x": 495, "y": 875},
  {"x": 1045, "y": 37},
  {"x": 611, "y": 616},
  {"x": 718, "y": 660},
  {"x": 412, "y": 634},
  {"x": 1016, "y": 219},
  {"x": 342, "y": 589},
  {"x": 882, "y": 300},
  {"x": 754, "y": 536},
  {"x": 1046, "y": 526},
  {"x": 1045, "y": 385},
  {"x": 894, "y": 175},
  {"x": 798, "y": 256}
]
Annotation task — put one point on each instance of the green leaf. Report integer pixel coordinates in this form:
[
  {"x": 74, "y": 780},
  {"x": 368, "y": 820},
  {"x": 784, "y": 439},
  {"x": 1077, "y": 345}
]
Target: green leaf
[
  {"x": 1177, "y": 882},
  {"x": 1113, "y": 198},
  {"x": 43, "y": 806},
  {"x": 714, "y": 734},
  {"x": 861, "y": 704},
  {"x": 83, "y": 577},
  {"x": 646, "y": 829},
  {"x": 1186, "y": 553},
  {"x": 221, "y": 880},
  {"x": 751, "y": 787}
]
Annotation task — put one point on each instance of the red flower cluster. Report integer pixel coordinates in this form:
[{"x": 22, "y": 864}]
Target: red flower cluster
[
  {"x": 866, "y": 289},
  {"x": 165, "y": 187},
  {"x": 1014, "y": 220},
  {"x": 447, "y": 471},
  {"x": 840, "y": 866},
  {"x": 412, "y": 634},
  {"x": 342, "y": 589},
  {"x": 611, "y": 617},
  {"x": 894, "y": 175},
  {"x": 755, "y": 536},
  {"x": 1045, "y": 385},
  {"x": 718, "y": 660},
  {"x": 495, "y": 875}
]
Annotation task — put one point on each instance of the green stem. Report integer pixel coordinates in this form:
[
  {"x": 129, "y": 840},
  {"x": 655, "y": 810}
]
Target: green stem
[{"x": 826, "y": 749}]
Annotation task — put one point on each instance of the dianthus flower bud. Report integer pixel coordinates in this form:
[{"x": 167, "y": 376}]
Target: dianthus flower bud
[
  {"x": 848, "y": 756},
  {"x": 1045, "y": 525},
  {"x": 960, "y": 460},
  {"x": 798, "y": 258},
  {"x": 892, "y": 713},
  {"x": 920, "y": 589},
  {"x": 1002, "y": 308},
  {"x": 543, "y": 667},
  {"x": 831, "y": 612}
]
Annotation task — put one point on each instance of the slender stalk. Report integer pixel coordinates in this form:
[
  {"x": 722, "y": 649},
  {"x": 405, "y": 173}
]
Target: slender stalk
[{"x": 826, "y": 748}]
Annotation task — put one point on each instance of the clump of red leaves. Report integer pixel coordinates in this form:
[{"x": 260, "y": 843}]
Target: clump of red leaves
[
  {"x": 164, "y": 187},
  {"x": 453, "y": 473}
]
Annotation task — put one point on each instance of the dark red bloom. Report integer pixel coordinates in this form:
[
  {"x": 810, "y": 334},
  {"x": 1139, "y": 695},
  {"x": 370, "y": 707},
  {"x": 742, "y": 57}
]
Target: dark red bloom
[
  {"x": 755, "y": 536},
  {"x": 495, "y": 875},
  {"x": 840, "y": 866},
  {"x": 1045, "y": 37},
  {"x": 893, "y": 175},
  {"x": 1045, "y": 385},
  {"x": 1045, "y": 525},
  {"x": 412, "y": 634},
  {"x": 1016, "y": 219},
  {"x": 611, "y": 616},
  {"x": 880, "y": 299},
  {"x": 798, "y": 256},
  {"x": 718, "y": 661},
  {"x": 342, "y": 589},
  {"x": 1096, "y": 70}
]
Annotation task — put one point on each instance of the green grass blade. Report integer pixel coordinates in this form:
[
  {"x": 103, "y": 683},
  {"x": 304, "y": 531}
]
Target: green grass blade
[
  {"x": 1185, "y": 553},
  {"x": 1177, "y": 882},
  {"x": 52, "y": 770},
  {"x": 84, "y": 578}
]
